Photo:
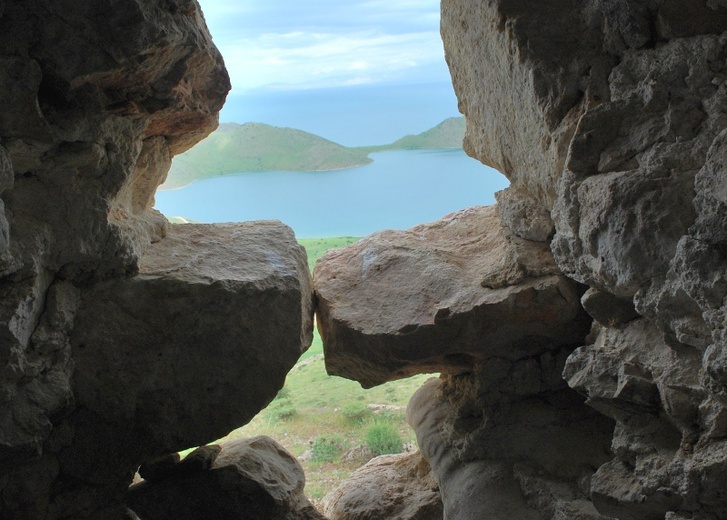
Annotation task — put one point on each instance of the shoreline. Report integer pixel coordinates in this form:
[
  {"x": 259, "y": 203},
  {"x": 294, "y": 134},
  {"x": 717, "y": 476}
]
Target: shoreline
[{"x": 161, "y": 188}]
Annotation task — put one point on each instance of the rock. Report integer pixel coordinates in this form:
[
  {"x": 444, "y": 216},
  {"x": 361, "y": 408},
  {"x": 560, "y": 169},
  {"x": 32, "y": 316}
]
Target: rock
[
  {"x": 523, "y": 215},
  {"x": 441, "y": 297},
  {"x": 479, "y": 473},
  {"x": 163, "y": 376},
  {"x": 608, "y": 310},
  {"x": 389, "y": 486},
  {"x": 610, "y": 117},
  {"x": 249, "y": 478},
  {"x": 711, "y": 199}
]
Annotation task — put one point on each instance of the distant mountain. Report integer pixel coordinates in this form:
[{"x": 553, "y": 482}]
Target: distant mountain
[
  {"x": 447, "y": 134},
  {"x": 256, "y": 147}
]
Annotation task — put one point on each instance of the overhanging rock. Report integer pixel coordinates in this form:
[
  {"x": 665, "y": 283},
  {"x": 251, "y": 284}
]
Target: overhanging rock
[
  {"x": 192, "y": 347},
  {"x": 440, "y": 297}
]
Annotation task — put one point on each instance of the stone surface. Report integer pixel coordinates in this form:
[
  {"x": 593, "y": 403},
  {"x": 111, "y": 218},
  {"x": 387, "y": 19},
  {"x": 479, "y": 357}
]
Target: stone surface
[
  {"x": 521, "y": 457},
  {"x": 608, "y": 310},
  {"x": 610, "y": 116},
  {"x": 523, "y": 215},
  {"x": 252, "y": 478},
  {"x": 440, "y": 297},
  {"x": 390, "y": 486},
  {"x": 159, "y": 374}
]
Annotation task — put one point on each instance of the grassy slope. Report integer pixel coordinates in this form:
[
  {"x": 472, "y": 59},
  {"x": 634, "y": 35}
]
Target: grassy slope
[
  {"x": 318, "y": 400},
  {"x": 255, "y": 147},
  {"x": 447, "y": 134}
]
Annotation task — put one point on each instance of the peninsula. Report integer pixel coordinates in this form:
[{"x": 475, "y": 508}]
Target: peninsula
[{"x": 257, "y": 147}]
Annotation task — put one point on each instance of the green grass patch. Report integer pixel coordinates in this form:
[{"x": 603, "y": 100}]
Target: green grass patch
[
  {"x": 383, "y": 438},
  {"x": 317, "y": 247},
  {"x": 327, "y": 448}
]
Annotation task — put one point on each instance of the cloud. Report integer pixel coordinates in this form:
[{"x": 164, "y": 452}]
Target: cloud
[{"x": 327, "y": 43}]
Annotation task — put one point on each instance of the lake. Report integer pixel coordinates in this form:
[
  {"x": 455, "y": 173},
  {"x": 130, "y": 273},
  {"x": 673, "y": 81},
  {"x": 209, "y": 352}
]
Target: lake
[{"x": 398, "y": 190}]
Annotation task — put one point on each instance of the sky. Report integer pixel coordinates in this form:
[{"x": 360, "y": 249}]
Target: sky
[{"x": 294, "y": 45}]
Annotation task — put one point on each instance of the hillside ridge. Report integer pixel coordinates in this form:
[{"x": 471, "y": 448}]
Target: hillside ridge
[{"x": 258, "y": 147}]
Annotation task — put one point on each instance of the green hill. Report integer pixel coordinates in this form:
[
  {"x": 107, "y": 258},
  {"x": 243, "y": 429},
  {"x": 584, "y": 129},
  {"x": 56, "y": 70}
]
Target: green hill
[
  {"x": 447, "y": 134},
  {"x": 256, "y": 147}
]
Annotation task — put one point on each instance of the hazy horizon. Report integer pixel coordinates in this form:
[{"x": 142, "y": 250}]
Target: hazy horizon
[{"x": 359, "y": 73}]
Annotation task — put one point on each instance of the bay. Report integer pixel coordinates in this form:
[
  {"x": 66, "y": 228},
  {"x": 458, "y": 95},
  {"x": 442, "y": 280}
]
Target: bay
[{"x": 399, "y": 189}]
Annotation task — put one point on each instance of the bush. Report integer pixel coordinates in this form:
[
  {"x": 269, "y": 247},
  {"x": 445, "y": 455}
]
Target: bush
[
  {"x": 326, "y": 448},
  {"x": 355, "y": 414},
  {"x": 382, "y": 438}
]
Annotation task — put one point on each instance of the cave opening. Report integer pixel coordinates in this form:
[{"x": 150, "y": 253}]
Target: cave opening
[{"x": 278, "y": 154}]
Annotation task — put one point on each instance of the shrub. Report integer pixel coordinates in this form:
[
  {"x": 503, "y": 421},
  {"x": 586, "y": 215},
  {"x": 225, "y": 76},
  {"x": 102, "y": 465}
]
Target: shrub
[
  {"x": 355, "y": 413},
  {"x": 326, "y": 448},
  {"x": 382, "y": 438}
]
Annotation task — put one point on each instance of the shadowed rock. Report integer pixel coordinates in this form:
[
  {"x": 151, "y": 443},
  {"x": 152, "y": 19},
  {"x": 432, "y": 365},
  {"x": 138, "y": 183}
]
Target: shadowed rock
[
  {"x": 439, "y": 297},
  {"x": 255, "y": 479},
  {"x": 610, "y": 117},
  {"x": 189, "y": 349},
  {"x": 522, "y": 456}
]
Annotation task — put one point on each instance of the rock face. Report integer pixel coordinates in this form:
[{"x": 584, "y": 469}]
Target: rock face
[
  {"x": 252, "y": 478},
  {"x": 609, "y": 117},
  {"x": 524, "y": 456},
  {"x": 442, "y": 297},
  {"x": 390, "y": 486},
  {"x": 467, "y": 297},
  {"x": 114, "y": 350}
]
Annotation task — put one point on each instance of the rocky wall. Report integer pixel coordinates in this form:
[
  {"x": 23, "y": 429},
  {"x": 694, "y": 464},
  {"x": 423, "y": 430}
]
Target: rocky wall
[
  {"x": 615, "y": 126},
  {"x": 121, "y": 338}
]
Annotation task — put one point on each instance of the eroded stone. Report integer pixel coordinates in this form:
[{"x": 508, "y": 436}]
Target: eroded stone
[
  {"x": 249, "y": 478},
  {"x": 390, "y": 486},
  {"x": 440, "y": 297}
]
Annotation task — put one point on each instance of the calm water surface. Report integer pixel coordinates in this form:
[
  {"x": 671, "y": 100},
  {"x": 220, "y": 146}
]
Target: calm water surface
[{"x": 398, "y": 190}]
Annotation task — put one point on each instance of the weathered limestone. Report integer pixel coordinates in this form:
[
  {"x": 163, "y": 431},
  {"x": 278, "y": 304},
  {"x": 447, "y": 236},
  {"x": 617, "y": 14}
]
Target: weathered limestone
[
  {"x": 190, "y": 348},
  {"x": 390, "y": 486},
  {"x": 513, "y": 454},
  {"x": 107, "y": 360},
  {"x": 242, "y": 478},
  {"x": 610, "y": 115},
  {"x": 466, "y": 297},
  {"x": 441, "y": 297}
]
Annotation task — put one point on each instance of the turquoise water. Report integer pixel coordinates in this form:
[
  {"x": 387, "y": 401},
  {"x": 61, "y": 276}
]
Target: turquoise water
[{"x": 398, "y": 190}]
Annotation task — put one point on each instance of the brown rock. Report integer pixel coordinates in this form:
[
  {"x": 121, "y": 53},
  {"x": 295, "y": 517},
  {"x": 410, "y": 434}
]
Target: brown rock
[
  {"x": 439, "y": 297},
  {"x": 252, "y": 478},
  {"x": 390, "y": 486}
]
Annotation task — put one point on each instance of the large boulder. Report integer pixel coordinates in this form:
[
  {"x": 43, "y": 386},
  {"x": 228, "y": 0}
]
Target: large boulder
[
  {"x": 190, "y": 348},
  {"x": 255, "y": 479},
  {"x": 398, "y": 486},
  {"x": 442, "y": 297}
]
